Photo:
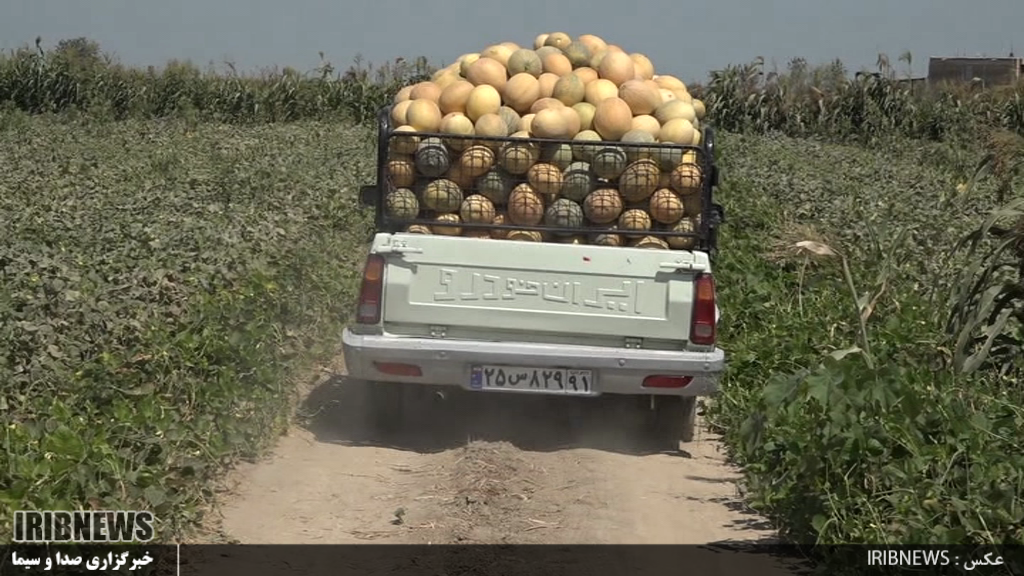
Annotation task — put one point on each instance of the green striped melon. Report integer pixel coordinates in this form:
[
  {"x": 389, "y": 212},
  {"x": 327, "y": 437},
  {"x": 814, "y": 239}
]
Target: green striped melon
[
  {"x": 517, "y": 157},
  {"x": 564, "y": 213},
  {"x": 525, "y": 61},
  {"x": 578, "y": 54},
  {"x": 684, "y": 226},
  {"x": 558, "y": 154},
  {"x": 401, "y": 204},
  {"x": 634, "y": 153},
  {"x": 608, "y": 162},
  {"x": 432, "y": 158},
  {"x": 442, "y": 195},
  {"x": 585, "y": 152},
  {"x": 495, "y": 185},
  {"x": 578, "y": 181}
]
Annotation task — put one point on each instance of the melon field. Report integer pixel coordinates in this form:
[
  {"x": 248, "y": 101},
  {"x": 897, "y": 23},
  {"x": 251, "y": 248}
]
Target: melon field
[{"x": 179, "y": 250}]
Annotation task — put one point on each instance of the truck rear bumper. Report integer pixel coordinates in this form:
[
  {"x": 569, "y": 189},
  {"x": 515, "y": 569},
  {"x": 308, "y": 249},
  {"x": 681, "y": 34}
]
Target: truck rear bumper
[{"x": 449, "y": 362}]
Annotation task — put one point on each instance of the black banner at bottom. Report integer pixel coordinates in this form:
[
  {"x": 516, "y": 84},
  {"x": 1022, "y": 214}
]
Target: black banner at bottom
[{"x": 503, "y": 560}]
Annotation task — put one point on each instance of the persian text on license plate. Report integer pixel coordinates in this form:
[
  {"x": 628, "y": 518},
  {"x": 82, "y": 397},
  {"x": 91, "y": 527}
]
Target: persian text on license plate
[{"x": 529, "y": 379}]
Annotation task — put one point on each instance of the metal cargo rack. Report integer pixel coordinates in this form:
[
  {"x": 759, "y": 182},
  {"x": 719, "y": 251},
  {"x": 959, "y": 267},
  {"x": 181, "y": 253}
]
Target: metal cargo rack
[{"x": 705, "y": 237}]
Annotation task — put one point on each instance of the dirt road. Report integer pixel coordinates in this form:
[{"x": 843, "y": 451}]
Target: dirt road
[{"x": 488, "y": 468}]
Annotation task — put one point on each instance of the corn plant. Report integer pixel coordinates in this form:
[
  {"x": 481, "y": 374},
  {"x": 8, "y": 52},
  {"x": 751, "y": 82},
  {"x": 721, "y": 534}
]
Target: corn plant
[{"x": 987, "y": 318}]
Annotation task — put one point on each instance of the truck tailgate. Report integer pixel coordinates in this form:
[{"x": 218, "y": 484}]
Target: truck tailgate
[{"x": 527, "y": 291}]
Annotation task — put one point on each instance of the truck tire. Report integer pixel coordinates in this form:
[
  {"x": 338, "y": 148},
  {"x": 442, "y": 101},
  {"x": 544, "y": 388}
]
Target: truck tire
[
  {"x": 674, "y": 420},
  {"x": 386, "y": 406},
  {"x": 394, "y": 404}
]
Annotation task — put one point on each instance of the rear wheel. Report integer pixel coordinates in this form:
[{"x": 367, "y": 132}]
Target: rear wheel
[
  {"x": 387, "y": 406},
  {"x": 673, "y": 420},
  {"x": 393, "y": 404}
]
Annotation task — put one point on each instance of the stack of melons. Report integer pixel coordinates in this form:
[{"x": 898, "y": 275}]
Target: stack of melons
[{"x": 581, "y": 90}]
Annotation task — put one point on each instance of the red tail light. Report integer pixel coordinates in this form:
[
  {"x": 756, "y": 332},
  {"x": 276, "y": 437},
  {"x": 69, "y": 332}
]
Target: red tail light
[
  {"x": 703, "y": 330},
  {"x": 667, "y": 381},
  {"x": 370, "y": 293},
  {"x": 396, "y": 369}
]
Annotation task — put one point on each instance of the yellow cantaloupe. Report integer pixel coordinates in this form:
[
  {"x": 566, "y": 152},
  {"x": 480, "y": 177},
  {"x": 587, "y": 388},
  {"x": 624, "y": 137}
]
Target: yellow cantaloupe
[
  {"x": 498, "y": 52},
  {"x": 459, "y": 174},
  {"x": 466, "y": 62},
  {"x": 572, "y": 120},
  {"x": 423, "y": 115},
  {"x": 617, "y": 67},
  {"x": 675, "y": 109},
  {"x": 569, "y": 90},
  {"x": 585, "y": 110},
  {"x": 698, "y": 107},
  {"x": 398, "y": 111},
  {"x": 490, "y": 125},
  {"x": 407, "y": 142},
  {"x": 447, "y": 79},
  {"x": 525, "y": 123},
  {"x": 615, "y": 48},
  {"x": 403, "y": 94},
  {"x": 550, "y": 123},
  {"x": 547, "y": 83},
  {"x": 586, "y": 74},
  {"x": 499, "y": 220},
  {"x": 440, "y": 73},
  {"x": 666, "y": 94},
  {"x": 613, "y": 118},
  {"x": 641, "y": 98},
  {"x": 669, "y": 82},
  {"x": 558, "y": 39},
  {"x": 425, "y": 91},
  {"x": 642, "y": 65},
  {"x": 539, "y": 41},
  {"x": 600, "y": 90},
  {"x": 454, "y": 97},
  {"x": 456, "y": 123},
  {"x": 557, "y": 64},
  {"x": 593, "y": 43},
  {"x": 545, "y": 103},
  {"x": 647, "y": 123},
  {"x": 678, "y": 131},
  {"x": 683, "y": 95},
  {"x": 521, "y": 91},
  {"x": 483, "y": 99},
  {"x": 583, "y": 151},
  {"x": 487, "y": 71}
]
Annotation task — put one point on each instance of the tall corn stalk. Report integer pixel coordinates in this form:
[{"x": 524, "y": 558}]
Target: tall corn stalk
[{"x": 986, "y": 319}]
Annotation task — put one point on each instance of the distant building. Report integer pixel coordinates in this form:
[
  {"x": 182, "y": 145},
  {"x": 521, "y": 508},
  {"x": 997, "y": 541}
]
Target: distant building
[{"x": 990, "y": 71}]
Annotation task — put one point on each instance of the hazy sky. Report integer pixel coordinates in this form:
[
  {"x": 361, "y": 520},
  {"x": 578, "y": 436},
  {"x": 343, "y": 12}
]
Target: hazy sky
[{"x": 681, "y": 37}]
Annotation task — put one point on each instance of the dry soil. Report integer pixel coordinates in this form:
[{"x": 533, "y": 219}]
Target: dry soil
[{"x": 483, "y": 468}]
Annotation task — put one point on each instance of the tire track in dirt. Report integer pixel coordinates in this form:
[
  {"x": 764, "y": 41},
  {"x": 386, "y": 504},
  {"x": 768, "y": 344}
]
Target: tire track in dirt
[{"x": 483, "y": 468}]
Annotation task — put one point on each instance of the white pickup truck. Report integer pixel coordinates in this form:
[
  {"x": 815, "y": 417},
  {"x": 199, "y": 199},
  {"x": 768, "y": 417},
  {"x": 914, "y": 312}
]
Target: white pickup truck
[{"x": 571, "y": 319}]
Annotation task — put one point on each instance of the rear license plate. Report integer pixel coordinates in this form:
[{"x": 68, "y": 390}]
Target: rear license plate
[{"x": 530, "y": 379}]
